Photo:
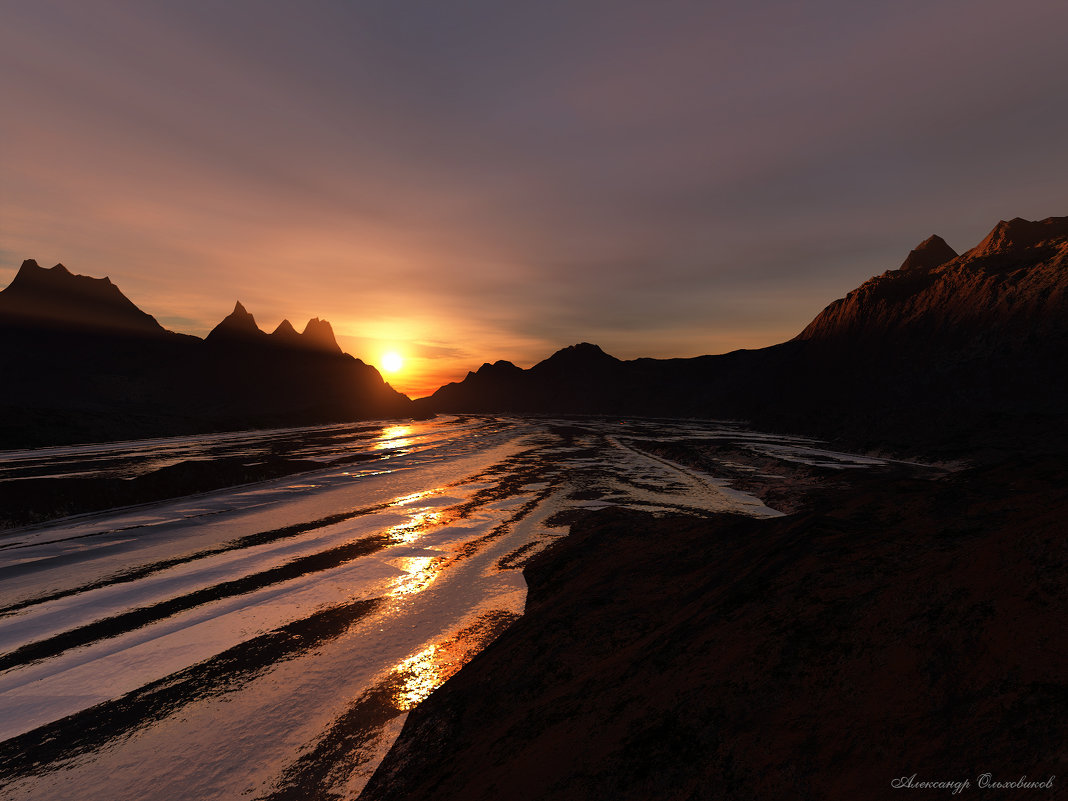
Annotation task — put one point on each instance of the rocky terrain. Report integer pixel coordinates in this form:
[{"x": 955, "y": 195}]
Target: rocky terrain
[{"x": 1013, "y": 284}]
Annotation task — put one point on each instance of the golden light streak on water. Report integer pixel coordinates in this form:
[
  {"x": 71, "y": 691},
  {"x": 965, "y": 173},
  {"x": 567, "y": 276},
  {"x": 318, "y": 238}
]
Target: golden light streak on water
[
  {"x": 416, "y": 525},
  {"x": 422, "y": 673},
  {"x": 404, "y": 500},
  {"x": 419, "y": 675},
  {"x": 394, "y": 437},
  {"x": 419, "y": 573}
]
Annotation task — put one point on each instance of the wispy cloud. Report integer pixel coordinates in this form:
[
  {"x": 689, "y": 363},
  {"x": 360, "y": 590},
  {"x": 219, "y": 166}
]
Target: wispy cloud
[{"x": 484, "y": 180}]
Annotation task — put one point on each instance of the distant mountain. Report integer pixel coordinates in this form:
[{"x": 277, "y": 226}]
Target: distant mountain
[
  {"x": 54, "y": 298},
  {"x": 286, "y": 334},
  {"x": 946, "y": 348},
  {"x": 318, "y": 335},
  {"x": 237, "y": 327},
  {"x": 931, "y": 252},
  {"x": 1013, "y": 284},
  {"x": 82, "y": 363},
  {"x": 582, "y": 357}
]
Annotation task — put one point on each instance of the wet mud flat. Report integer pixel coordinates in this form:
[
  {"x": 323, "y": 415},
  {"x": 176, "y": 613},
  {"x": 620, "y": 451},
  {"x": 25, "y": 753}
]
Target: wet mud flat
[
  {"x": 891, "y": 625},
  {"x": 267, "y": 641},
  {"x": 77, "y": 479},
  {"x": 784, "y": 477}
]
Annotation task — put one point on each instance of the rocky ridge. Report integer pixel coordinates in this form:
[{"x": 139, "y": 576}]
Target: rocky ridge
[{"x": 1014, "y": 282}]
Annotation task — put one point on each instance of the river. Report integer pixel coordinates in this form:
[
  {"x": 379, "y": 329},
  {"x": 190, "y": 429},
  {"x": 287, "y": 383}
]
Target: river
[{"x": 265, "y": 641}]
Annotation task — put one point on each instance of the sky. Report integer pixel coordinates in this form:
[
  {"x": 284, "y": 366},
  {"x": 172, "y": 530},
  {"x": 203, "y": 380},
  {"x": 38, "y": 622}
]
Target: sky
[{"x": 473, "y": 180}]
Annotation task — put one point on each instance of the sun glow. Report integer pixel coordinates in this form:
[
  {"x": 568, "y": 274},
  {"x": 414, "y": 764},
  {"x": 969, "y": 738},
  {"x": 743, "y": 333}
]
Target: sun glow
[{"x": 392, "y": 361}]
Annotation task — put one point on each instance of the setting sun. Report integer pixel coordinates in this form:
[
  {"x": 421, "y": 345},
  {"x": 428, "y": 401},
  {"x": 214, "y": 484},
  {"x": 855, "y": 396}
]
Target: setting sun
[{"x": 392, "y": 362}]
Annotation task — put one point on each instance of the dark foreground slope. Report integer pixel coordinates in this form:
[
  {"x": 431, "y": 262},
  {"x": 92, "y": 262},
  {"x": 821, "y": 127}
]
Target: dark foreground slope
[
  {"x": 81, "y": 363},
  {"x": 947, "y": 351},
  {"x": 899, "y": 627}
]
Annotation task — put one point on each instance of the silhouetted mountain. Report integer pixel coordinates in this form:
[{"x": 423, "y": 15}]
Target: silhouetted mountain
[
  {"x": 931, "y": 252},
  {"x": 580, "y": 357},
  {"x": 946, "y": 348},
  {"x": 492, "y": 388},
  {"x": 571, "y": 379},
  {"x": 82, "y": 363},
  {"x": 237, "y": 327},
  {"x": 54, "y": 298},
  {"x": 286, "y": 334},
  {"x": 319, "y": 335}
]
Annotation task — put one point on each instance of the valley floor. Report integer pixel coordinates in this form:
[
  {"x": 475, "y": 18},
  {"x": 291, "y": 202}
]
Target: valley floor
[{"x": 267, "y": 640}]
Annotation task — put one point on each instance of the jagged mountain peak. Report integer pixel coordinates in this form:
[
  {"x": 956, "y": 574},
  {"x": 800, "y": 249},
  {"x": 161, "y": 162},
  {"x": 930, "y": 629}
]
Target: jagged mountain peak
[
  {"x": 319, "y": 334},
  {"x": 930, "y": 253},
  {"x": 286, "y": 334},
  {"x": 969, "y": 300},
  {"x": 238, "y": 325},
  {"x": 241, "y": 313},
  {"x": 1018, "y": 234}
]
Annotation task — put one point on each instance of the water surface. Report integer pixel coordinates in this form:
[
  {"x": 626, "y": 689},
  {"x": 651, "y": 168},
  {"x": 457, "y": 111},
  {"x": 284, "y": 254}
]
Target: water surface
[{"x": 265, "y": 641}]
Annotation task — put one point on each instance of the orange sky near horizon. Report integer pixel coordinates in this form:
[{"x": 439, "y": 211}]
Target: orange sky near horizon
[{"x": 438, "y": 345}]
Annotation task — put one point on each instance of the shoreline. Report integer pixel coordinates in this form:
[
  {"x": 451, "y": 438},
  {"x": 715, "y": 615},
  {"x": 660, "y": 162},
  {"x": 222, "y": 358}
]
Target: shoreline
[
  {"x": 34, "y": 500},
  {"x": 890, "y": 625}
]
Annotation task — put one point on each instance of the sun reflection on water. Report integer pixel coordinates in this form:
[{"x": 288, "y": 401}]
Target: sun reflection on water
[
  {"x": 419, "y": 573},
  {"x": 413, "y": 527},
  {"x": 418, "y": 675},
  {"x": 421, "y": 674},
  {"x": 415, "y": 496},
  {"x": 414, "y": 678},
  {"x": 394, "y": 437}
]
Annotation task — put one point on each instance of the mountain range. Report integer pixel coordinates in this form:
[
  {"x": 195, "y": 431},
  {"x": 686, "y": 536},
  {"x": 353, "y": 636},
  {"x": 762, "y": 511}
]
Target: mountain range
[
  {"x": 947, "y": 348},
  {"x": 83, "y": 363}
]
